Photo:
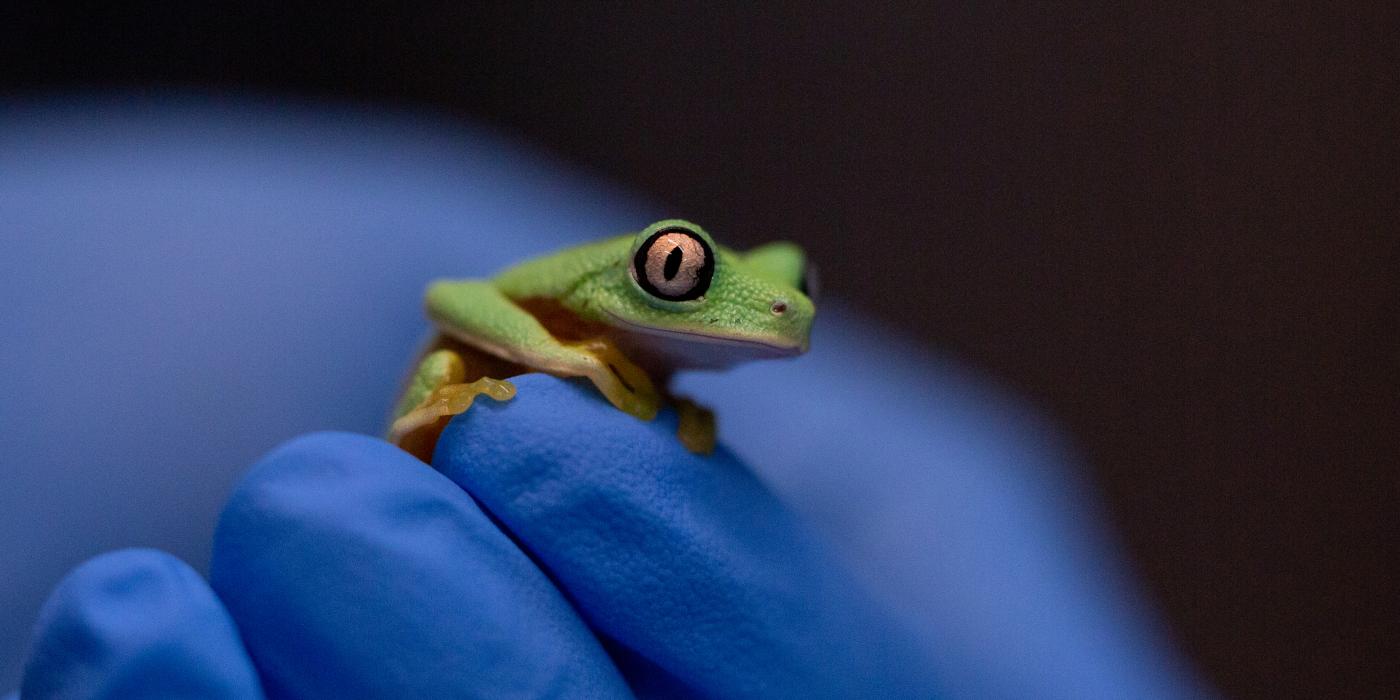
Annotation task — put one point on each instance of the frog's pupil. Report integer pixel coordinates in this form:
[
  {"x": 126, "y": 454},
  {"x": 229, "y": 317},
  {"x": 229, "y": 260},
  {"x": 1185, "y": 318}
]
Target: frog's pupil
[{"x": 673, "y": 263}]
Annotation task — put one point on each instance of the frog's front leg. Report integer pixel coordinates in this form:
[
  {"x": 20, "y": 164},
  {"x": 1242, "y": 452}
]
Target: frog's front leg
[
  {"x": 436, "y": 392},
  {"x": 623, "y": 383},
  {"x": 475, "y": 312}
]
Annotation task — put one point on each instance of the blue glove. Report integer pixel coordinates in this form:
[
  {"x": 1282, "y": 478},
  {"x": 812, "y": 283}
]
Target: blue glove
[
  {"x": 561, "y": 548},
  {"x": 223, "y": 257}
]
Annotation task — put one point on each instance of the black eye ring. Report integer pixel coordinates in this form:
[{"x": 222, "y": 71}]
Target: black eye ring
[{"x": 703, "y": 275}]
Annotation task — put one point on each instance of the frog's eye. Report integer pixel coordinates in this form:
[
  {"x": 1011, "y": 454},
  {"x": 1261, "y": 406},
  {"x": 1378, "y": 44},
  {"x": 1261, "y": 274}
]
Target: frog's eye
[
  {"x": 674, "y": 264},
  {"x": 811, "y": 282}
]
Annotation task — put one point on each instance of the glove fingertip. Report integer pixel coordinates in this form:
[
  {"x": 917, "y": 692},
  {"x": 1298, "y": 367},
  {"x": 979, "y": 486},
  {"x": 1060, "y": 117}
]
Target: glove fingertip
[
  {"x": 136, "y": 623},
  {"x": 356, "y": 571}
]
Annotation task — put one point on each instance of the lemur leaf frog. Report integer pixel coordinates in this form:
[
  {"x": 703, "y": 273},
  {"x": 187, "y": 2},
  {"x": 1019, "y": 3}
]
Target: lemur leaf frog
[{"x": 625, "y": 312}]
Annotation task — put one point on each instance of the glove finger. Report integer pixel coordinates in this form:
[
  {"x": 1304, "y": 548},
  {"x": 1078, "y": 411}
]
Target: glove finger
[
  {"x": 354, "y": 571},
  {"x": 137, "y": 623},
  {"x": 687, "y": 565}
]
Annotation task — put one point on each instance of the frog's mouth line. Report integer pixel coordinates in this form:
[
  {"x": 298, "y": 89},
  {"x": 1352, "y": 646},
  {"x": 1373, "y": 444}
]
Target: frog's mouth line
[{"x": 696, "y": 336}]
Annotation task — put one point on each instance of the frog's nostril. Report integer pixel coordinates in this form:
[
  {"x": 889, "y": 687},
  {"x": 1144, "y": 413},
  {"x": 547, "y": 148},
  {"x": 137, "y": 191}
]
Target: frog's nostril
[{"x": 778, "y": 308}]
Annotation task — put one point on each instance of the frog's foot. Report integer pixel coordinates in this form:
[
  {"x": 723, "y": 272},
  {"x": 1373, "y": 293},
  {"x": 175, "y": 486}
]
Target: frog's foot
[
  {"x": 695, "y": 426},
  {"x": 417, "y": 431},
  {"x": 626, "y": 386}
]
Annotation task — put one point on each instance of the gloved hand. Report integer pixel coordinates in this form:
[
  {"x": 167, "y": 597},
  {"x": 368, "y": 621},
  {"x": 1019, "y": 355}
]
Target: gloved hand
[
  {"x": 559, "y": 548},
  {"x": 220, "y": 253}
]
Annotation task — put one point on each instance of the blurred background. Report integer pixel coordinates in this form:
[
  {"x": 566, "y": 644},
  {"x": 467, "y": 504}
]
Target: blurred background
[{"x": 1173, "y": 229}]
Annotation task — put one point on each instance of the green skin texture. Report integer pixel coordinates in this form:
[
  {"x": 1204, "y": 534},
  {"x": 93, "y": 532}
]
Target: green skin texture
[{"x": 734, "y": 321}]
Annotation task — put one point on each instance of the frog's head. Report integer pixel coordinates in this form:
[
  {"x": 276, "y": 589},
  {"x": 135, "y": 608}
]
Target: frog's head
[{"x": 680, "y": 297}]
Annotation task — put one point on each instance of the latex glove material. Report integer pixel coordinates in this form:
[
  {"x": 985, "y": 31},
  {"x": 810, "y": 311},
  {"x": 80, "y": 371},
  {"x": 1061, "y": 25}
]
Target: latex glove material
[
  {"x": 136, "y": 624},
  {"x": 353, "y": 570},
  {"x": 688, "y": 563}
]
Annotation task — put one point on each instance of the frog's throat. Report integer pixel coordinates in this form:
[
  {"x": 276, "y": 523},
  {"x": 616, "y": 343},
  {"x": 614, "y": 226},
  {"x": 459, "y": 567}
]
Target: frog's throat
[{"x": 775, "y": 347}]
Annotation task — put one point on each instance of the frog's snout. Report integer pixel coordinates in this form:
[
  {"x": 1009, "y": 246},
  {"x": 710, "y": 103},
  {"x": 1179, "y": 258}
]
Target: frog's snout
[{"x": 792, "y": 319}]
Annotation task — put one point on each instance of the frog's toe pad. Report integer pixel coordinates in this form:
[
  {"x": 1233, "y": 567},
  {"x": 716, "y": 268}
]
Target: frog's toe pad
[{"x": 417, "y": 430}]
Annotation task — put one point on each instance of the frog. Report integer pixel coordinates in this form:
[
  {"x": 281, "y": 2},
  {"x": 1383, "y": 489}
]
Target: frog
[{"x": 625, "y": 313}]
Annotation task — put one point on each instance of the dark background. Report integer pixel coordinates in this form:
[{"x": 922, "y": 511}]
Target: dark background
[{"x": 1174, "y": 229}]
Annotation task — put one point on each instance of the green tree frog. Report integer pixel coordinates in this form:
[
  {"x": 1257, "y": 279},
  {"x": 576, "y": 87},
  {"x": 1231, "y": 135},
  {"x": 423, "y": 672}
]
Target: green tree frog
[{"x": 625, "y": 312}]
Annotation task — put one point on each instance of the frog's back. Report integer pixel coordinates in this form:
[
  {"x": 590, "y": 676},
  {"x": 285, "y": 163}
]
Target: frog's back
[{"x": 554, "y": 275}]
